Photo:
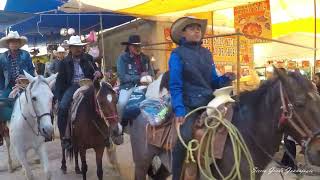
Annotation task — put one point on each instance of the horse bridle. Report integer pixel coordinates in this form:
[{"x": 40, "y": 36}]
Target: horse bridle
[
  {"x": 38, "y": 117},
  {"x": 106, "y": 118},
  {"x": 288, "y": 112}
]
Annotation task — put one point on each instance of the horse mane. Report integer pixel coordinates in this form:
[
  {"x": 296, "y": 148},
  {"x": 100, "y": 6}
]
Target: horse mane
[
  {"x": 39, "y": 79},
  {"x": 252, "y": 97},
  {"x": 88, "y": 97},
  {"x": 301, "y": 80},
  {"x": 106, "y": 87}
]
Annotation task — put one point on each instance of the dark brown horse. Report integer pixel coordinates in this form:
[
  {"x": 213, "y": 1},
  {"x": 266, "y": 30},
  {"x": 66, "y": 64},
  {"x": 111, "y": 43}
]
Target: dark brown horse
[
  {"x": 257, "y": 115},
  {"x": 96, "y": 126}
]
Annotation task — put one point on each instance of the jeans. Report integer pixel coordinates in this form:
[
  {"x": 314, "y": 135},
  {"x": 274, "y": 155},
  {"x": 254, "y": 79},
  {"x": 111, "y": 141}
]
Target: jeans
[
  {"x": 124, "y": 96},
  {"x": 179, "y": 151},
  {"x": 291, "y": 147},
  {"x": 63, "y": 108}
]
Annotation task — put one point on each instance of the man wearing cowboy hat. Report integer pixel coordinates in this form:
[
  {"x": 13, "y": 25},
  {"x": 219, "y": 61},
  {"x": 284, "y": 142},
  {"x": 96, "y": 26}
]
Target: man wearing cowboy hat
[
  {"x": 12, "y": 64},
  {"x": 53, "y": 65},
  {"x": 131, "y": 66},
  {"x": 76, "y": 66},
  {"x": 193, "y": 78}
]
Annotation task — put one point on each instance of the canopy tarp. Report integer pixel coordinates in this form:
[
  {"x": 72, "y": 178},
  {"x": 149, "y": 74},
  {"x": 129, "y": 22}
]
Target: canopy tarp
[
  {"x": 11, "y": 18},
  {"x": 288, "y": 16},
  {"x": 47, "y": 20},
  {"x": 153, "y": 9}
]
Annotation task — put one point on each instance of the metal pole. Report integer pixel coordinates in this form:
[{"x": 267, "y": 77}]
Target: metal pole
[
  {"x": 238, "y": 64},
  {"x": 103, "y": 65},
  {"x": 241, "y": 34},
  {"x": 315, "y": 37},
  {"x": 212, "y": 31}
]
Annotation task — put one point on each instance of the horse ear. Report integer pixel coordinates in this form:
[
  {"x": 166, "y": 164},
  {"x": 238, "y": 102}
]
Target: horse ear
[
  {"x": 281, "y": 74},
  {"x": 51, "y": 78},
  {"x": 28, "y": 76}
]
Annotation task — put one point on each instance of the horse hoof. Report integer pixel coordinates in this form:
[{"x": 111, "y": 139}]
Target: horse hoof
[
  {"x": 48, "y": 176},
  {"x": 78, "y": 171},
  {"x": 10, "y": 170},
  {"x": 64, "y": 170},
  {"x": 37, "y": 161}
]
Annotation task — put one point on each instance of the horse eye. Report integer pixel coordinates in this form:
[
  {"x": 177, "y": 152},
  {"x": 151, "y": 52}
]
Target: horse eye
[{"x": 34, "y": 99}]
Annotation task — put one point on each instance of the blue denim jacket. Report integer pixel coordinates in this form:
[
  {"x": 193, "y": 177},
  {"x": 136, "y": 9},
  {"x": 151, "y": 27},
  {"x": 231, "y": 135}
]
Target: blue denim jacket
[
  {"x": 127, "y": 70},
  {"x": 24, "y": 62}
]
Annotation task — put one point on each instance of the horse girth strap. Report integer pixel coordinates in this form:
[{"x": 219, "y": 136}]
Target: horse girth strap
[{"x": 288, "y": 112}]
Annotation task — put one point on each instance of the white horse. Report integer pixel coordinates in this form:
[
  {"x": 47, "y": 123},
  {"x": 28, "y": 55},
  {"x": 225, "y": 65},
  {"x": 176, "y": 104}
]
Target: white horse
[{"x": 31, "y": 123}]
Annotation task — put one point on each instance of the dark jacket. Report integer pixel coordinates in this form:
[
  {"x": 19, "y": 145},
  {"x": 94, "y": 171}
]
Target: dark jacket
[
  {"x": 193, "y": 77},
  {"x": 128, "y": 72},
  {"x": 24, "y": 62},
  {"x": 66, "y": 71}
]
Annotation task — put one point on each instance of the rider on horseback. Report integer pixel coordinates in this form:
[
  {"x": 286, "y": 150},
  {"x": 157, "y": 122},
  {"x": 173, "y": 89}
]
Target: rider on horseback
[
  {"x": 76, "y": 66},
  {"x": 131, "y": 66},
  {"x": 12, "y": 64},
  {"x": 193, "y": 78}
]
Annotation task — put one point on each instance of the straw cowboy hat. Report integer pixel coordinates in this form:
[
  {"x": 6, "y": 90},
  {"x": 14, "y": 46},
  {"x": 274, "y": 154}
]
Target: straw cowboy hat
[
  {"x": 10, "y": 36},
  {"x": 133, "y": 40},
  {"x": 74, "y": 41},
  {"x": 179, "y": 25}
]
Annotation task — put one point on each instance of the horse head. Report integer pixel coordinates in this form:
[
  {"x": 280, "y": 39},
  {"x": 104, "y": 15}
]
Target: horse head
[
  {"x": 107, "y": 100},
  {"x": 39, "y": 103},
  {"x": 301, "y": 112}
]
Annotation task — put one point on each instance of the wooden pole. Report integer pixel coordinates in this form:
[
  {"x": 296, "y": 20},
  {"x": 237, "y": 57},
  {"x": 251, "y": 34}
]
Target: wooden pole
[{"x": 238, "y": 64}]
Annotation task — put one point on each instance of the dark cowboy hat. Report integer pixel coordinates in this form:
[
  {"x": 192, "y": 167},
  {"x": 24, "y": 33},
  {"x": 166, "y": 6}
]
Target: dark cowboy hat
[
  {"x": 179, "y": 25},
  {"x": 133, "y": 40}
]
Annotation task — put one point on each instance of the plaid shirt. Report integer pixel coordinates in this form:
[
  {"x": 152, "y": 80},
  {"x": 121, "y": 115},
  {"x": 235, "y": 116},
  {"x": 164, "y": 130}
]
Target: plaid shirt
[{"x": 14, "y": 68}]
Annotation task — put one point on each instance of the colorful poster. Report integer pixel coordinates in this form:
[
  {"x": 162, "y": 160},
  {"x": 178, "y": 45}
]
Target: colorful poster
[
  {"x": 169, "y": 46},
  {"x": 318, "y": 63},
  {"x": 254, "y": 20},
  {"x": 305, "y": 64},
  {"x": 225, "y": 51},
  {"x": 291, "y": 65}
]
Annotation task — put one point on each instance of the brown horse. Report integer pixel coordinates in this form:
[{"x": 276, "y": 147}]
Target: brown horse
[
  {"x": 257, "y": 116},
  {"x": 96, "y": 126}
]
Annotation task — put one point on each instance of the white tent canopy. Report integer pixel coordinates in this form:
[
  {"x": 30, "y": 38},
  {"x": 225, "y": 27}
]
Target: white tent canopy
[{"x": 277, "y": 51}]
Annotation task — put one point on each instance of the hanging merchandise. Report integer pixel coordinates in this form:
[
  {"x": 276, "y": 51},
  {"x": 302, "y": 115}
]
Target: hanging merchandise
[
  {"x": 92, "y": 37},
  {"x": 156, "y": 111}
]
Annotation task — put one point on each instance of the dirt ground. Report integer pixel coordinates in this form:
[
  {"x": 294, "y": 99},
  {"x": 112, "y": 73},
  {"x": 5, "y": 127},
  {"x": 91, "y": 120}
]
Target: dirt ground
[{"x": 124, "y": 158}]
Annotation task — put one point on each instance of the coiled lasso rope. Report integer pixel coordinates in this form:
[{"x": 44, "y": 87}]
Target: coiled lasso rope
[{"x": 212, "y": 123}]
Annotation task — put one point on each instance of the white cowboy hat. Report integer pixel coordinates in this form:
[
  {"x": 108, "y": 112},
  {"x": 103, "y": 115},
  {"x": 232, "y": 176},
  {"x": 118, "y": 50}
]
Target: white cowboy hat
[
  {"x": 60, "y": 49},
  {"x": 179, "y": 25},
  {"x": 12, "y": 35},
  {"x": 74, "y": 41}
]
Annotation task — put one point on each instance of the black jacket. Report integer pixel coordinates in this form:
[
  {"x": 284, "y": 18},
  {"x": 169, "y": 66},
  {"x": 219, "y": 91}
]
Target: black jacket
[{"x": 66, "y": 70}]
